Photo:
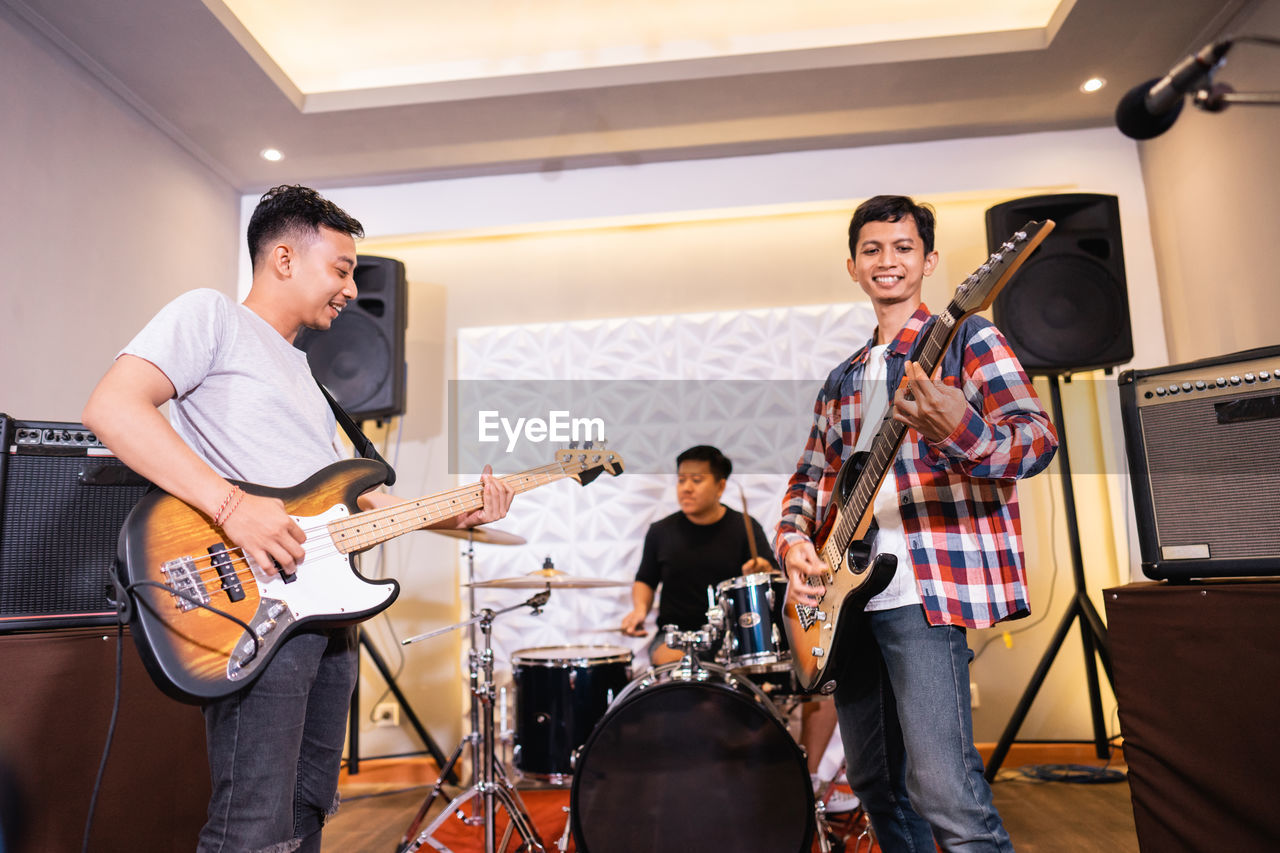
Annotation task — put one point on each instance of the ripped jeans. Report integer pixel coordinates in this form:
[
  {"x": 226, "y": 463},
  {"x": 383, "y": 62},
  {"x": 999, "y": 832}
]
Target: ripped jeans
[{"x": 275, "y": 748}]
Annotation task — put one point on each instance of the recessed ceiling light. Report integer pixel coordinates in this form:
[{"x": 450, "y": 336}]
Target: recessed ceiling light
[
  {"x": 1093, "y": 84},
  {"x": 272, "y": 154}
]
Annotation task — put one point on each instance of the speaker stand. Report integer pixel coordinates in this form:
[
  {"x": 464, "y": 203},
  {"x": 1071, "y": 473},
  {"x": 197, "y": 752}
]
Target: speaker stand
[
  {"x": 1093, "y": 633},
  {"x": 353, "y": 721}
]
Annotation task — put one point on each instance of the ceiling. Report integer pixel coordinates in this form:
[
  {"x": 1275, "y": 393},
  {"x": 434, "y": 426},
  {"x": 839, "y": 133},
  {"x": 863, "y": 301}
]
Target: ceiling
[{"x": 393, "y": 90}]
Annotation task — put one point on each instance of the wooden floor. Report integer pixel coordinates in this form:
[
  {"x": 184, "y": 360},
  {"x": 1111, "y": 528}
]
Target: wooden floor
[{"x": 1042, "y": 817}]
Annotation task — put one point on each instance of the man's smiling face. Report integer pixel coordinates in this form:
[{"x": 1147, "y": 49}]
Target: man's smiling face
[{"x": 890, "y": 263}]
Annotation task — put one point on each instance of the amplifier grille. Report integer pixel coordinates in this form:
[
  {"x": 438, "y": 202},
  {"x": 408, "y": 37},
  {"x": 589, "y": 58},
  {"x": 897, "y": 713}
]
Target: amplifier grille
[
  {"x": 58, "y": 539},
  {"x": 1213, "y": 484}
]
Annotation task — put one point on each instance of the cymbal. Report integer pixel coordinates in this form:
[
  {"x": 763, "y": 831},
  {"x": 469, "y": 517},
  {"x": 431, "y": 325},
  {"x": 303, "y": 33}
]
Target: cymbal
[
  {"x": 487, "y": 535},
  {"x": 547, "y": 577}
]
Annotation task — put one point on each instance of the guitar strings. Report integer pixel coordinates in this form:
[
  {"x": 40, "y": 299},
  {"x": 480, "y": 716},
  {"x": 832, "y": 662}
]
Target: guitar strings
[
  {"x": 864, "y": 493},
  {"x": 243, "y": 571}
]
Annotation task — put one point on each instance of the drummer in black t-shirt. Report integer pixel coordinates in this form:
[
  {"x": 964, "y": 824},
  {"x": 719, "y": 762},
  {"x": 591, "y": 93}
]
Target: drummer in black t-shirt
[{"x": 699, "y": 546}]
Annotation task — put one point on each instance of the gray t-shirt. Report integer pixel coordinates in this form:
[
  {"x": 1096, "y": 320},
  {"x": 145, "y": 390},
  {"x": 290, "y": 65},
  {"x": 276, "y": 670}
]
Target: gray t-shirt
[{"x": 246, "y": 400}]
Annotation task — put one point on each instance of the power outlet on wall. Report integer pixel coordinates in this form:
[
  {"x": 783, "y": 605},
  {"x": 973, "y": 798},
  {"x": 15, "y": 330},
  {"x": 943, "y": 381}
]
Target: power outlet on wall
[{"x": 386, "y": 714}]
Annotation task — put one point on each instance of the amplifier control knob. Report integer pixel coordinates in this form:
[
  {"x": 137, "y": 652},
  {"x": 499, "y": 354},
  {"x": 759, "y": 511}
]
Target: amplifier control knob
[
  {"x": 1186, "y": 386},
  {"x": 1235, "y": 380},
  {"x": 1221, "y": 381},
  {"x": 1264, "y": 375},
  {"x": 1250, "y": 378},
  {"x": 1173, "y": 389},
  {"x": 1160, "y": 392},
  {"x": 1200, "y": 385}
]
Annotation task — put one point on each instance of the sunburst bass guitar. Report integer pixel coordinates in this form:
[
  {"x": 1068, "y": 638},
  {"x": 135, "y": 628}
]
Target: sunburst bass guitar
[
  {"x": 845, "y": 539},
  {"x": 207, "y": 620}
]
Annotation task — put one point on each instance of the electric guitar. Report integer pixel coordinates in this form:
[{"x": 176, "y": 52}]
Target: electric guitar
[
  {"x": 178, "y": 569},
  {"x": 845, "y": 539}
]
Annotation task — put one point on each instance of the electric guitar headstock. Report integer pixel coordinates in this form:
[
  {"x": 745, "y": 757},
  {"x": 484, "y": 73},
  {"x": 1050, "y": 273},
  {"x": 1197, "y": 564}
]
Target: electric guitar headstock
[{"x": 981, "y": 288}]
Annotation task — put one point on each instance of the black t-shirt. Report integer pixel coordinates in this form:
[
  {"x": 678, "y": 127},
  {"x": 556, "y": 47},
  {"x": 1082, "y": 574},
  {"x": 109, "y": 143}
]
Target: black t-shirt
[{"x": 686, "y": 558}]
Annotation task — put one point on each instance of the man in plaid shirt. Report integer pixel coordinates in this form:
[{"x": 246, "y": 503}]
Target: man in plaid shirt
[{"x": 948, "y": 511}]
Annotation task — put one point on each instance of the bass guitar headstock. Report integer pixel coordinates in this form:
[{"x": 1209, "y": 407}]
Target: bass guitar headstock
[{"x": 586, "y": 463}]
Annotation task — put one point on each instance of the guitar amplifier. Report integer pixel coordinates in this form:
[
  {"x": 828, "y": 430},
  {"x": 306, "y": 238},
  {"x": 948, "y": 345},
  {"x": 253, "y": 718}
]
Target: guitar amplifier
[
  {"x": 63, "y": 499},
  {"x": 1202, "y": 440}
]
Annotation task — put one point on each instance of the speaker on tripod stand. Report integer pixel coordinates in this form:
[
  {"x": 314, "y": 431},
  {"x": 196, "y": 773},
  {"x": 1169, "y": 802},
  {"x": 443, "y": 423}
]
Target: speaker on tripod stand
[
  {"x": 1068, "y": 309},
  {"x": 1065, "y": 312}
]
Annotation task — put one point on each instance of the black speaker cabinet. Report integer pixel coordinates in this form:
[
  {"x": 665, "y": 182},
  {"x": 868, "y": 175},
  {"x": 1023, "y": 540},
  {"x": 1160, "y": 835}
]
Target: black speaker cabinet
[
  {"x": 63, "y": 498},
  {"x": 1067, "y": 309},
  {"x": 360, "y": 359},
  {"x": 1201, "y": 440},
  {"x": 1197, "y": 678},
  {"x": 59, "y": 687}
]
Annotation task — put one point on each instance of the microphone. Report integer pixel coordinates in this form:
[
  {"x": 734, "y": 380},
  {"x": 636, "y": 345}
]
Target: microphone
[{"x": 1151, "y": 108}]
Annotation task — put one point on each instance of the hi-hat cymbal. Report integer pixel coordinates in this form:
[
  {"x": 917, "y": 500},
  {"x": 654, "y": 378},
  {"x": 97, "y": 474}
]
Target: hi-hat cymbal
[
  {"x": 487, "y": 535},
  {"x": 546, "y": 577}
]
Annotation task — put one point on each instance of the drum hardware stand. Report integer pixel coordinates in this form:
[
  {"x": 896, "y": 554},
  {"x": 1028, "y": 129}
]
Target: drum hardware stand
[
  {"x": 490, "y": 780},
  {"x": 563, "y": 844},
  {"x": 820, "y": 817},
  {"x": 473, "y": 710},
  {"x": 691, "y": 642},
  {"x": 353, "y": 719}
]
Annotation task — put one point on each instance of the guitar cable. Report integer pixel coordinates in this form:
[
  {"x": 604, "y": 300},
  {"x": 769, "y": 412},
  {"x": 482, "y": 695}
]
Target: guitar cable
[{"x": 111, "y": 732}]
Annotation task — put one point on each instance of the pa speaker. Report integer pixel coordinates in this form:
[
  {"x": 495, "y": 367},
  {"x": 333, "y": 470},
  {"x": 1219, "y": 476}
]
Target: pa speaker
[
  {"x": 63, "y": 499},
  {"x": 360, "y": 359},
  {"x": 1067, "y": 309}
]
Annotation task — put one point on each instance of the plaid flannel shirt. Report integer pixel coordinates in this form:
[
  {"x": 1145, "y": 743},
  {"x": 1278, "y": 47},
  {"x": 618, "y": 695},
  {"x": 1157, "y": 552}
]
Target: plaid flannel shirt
[{"x": 957, "y": 497}]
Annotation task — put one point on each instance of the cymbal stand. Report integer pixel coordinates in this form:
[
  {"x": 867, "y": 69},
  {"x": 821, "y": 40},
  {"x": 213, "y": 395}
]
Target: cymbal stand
[
  {"x": 490, "y": 784},
  {"x": 473, "y": 710}
]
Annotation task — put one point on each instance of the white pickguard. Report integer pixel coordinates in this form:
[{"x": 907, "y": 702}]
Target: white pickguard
[{"x": 325, "y": 584}]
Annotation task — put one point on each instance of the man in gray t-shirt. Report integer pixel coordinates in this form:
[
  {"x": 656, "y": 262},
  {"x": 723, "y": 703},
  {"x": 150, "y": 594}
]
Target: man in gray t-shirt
[{"x": 244, "y": 406}]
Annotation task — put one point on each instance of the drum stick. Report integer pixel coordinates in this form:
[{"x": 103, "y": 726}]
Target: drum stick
[{"x": 746, "y": 519}]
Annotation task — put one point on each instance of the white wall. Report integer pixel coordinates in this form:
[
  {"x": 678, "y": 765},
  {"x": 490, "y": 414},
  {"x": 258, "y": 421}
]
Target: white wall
[
  {"x": 103, "y": 220},
  {"x": 1213, "y": 183}
]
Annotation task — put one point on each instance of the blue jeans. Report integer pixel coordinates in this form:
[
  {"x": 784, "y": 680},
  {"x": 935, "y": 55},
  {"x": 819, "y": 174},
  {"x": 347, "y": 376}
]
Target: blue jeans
[
  {"x": 903, "y": 704},
  {"x": 275, "y": 748}
]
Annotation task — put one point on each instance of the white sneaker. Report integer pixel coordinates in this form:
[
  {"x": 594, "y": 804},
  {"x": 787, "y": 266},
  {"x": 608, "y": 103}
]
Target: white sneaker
[{"x": 839, "y": 801}]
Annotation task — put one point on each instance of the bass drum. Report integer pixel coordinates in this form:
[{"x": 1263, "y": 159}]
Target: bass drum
[{"x": 691, "y": 761}]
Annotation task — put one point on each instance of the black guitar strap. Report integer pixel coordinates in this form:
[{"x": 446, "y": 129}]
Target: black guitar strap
[{"x": 359, "y": 440}]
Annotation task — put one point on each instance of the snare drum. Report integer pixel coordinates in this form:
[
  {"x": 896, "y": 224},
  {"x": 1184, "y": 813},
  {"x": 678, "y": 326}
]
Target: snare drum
[
  {"x": 561, "y": 693},
  {"x": 691, "y": 761},
  {"x": 754, "y": 631}
]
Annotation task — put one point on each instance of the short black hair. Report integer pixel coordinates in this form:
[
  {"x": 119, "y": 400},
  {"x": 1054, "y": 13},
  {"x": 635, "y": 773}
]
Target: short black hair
[
  {"x": 892, "y": 208},
  {"x": 720, "y": 465},
  {"x": 290, "y": 207}
]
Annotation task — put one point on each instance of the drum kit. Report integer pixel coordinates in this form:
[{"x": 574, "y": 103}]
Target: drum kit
[{"x": 691, "y": 755}]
